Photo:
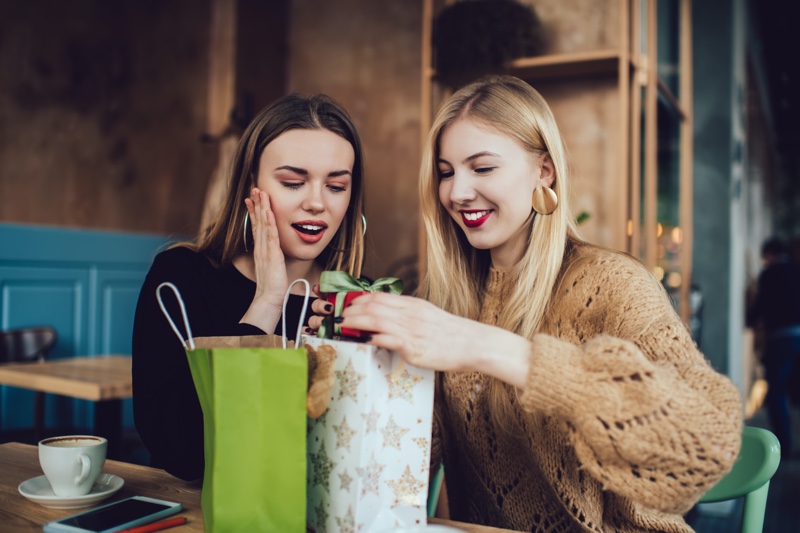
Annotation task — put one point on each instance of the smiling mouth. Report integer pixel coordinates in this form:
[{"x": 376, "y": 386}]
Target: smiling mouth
[
  {"x": 309, "y": 229},
  {"x": 473, "y": 219}
]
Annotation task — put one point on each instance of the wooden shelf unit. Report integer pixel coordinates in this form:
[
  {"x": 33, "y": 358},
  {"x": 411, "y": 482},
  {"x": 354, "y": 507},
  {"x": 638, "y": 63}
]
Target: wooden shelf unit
[{"x": 628, "y": 166}]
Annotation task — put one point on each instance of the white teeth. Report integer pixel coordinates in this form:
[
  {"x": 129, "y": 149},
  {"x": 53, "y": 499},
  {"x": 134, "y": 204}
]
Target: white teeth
[
  {"x": 309, "y": 227},
  {"x": 476, "y": 215}
]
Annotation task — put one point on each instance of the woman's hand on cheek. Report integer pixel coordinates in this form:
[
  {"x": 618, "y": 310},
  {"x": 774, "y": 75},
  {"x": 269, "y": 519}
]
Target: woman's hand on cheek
[
  {"x": 270, "y": 267},
  {"x": 422, "y": 333}
]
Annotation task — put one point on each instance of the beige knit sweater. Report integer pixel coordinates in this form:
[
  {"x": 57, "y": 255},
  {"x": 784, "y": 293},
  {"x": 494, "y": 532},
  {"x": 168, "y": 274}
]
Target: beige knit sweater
[{"x": 622, "y": 426}]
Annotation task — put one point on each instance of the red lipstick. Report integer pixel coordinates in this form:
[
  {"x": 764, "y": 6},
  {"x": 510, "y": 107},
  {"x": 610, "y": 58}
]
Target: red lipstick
[
  {"x": 310, "y": 231},
  {"x": 473, "y": 222}
]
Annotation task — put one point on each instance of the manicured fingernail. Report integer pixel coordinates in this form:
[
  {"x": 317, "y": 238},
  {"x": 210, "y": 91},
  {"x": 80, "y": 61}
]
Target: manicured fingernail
[
  {"x": 329, "y": 307},
  {"x": 338, "y": 319}
]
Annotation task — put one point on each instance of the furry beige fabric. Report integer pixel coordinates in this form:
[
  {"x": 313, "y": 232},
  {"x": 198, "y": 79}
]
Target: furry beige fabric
[{"x": 622, "y": 426}]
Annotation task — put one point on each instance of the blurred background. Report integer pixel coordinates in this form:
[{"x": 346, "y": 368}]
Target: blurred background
[{"x": 117, "y": 119}]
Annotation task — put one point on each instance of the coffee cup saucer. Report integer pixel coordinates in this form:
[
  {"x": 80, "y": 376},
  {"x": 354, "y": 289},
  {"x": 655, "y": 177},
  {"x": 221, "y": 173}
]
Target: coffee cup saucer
[{"x": 38, "y": 490}]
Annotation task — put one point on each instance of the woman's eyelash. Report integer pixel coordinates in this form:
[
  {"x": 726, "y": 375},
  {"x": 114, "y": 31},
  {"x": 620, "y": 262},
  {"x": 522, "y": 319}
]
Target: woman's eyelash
[
  {"x": 484, "y": 170},
  {"x": 292, "y": 184},
  {"x": 445, "y": 174},
  {"x": 336, "y": 188}
]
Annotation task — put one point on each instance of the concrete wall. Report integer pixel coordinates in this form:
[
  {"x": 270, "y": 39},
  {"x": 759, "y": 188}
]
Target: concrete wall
[
  {"x": 103, "y": 105},
  {"x": 366, "y": 55}
]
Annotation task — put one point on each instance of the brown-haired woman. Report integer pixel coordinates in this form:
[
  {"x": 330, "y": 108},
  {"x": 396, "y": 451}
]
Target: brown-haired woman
[{"x": 294, "y": 208}]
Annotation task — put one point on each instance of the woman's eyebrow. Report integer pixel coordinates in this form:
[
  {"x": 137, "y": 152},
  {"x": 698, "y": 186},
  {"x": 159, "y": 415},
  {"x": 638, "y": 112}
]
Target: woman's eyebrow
[
  {"x": 337, "y": 173},
  {"x": 296, "y": 170},
  {"x": 480, "y": 154},
  {"x": 304, "y": 172}
]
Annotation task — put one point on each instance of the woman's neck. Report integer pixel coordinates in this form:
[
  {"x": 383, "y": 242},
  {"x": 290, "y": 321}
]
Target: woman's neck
[{"x": 307, "y": 270}]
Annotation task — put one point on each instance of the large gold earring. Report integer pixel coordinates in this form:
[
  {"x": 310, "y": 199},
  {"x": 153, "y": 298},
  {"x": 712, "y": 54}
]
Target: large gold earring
[{"x": 544, "y": 200}]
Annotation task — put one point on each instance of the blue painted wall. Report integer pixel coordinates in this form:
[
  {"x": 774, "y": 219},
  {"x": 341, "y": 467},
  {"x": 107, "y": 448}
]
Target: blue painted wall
[{"x": 84, "y": 283}]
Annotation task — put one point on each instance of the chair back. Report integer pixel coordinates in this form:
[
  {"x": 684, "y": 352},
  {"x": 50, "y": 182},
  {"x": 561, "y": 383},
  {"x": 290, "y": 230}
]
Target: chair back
[
  {"x": 758, "y": 460},
  {"x": 26, "y": 344}
]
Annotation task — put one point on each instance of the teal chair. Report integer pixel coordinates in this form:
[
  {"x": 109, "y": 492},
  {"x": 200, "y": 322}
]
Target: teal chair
[
  {"x": 757, "y": 462},
  {"x": 434, "y": 490}
]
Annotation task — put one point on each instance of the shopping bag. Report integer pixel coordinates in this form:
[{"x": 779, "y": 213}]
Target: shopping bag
[
  {"x": 252, "y": 391},
  {"x": 369, "y": 453}
]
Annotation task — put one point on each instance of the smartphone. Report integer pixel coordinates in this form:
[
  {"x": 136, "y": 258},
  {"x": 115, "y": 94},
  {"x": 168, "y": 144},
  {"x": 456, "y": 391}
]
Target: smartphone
[{"x": 124, "y": 514}]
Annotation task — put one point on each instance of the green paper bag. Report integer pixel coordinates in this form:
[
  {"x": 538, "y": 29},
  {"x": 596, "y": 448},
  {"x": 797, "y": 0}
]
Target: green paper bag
[{"x": 252, "y": 391}]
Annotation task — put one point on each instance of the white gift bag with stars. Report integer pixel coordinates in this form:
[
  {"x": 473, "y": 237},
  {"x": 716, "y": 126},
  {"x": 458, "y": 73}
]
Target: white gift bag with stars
[{"x": 369, "y": 453}]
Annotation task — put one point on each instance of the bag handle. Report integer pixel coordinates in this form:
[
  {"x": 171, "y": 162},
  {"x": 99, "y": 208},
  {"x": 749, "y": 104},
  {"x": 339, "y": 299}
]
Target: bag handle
[
  {"x": 183, "y": 312},
  {"x": 302, "y": 313}
]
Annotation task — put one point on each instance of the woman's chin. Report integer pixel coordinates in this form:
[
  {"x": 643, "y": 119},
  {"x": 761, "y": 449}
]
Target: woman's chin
[{"x": 305, "y": 252}]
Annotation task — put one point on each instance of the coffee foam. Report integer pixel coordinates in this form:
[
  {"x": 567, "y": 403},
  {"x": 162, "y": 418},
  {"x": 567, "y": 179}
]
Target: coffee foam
[{"x": 72, "y": 442}]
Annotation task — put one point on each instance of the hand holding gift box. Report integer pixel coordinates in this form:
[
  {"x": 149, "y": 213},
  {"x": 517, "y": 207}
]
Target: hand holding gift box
[{"x": 340, "y": 288}]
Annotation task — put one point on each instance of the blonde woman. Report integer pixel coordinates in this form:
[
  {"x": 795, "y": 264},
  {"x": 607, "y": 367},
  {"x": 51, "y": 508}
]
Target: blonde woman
[
  {"x": 571, "y": 396},
  {"x": 293, "y": 208}
]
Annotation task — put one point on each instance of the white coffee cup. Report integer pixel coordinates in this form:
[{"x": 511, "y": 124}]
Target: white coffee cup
[{"x": 72, "y": 463}]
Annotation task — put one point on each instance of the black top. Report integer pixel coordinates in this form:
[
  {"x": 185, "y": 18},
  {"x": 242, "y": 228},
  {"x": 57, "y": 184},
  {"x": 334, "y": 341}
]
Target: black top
[
  {"x": 778, "y": 298},
  {"x": 166, "y": 408}
]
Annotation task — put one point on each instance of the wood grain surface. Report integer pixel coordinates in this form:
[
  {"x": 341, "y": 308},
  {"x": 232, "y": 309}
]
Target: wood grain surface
[{"x": 19, "y": 462}]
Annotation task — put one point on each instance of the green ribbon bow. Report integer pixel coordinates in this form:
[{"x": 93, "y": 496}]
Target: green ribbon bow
[{"x": 340, "y": 283}]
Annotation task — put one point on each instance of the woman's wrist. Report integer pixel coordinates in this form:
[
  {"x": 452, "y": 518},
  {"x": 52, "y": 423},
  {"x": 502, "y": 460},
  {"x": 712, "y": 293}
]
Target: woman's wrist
[
  {"x": 504, "y": 355},
  {"x": 262, "y": 314}
]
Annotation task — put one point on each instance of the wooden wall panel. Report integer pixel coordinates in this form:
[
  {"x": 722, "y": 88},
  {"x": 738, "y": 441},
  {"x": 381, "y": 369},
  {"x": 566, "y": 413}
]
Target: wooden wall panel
[
  {"x": 366, "y": 55},
  {"x": 587, "y": 113},
  {"x": 578, "y": 25},
  {"x": 83, "y": 283}
]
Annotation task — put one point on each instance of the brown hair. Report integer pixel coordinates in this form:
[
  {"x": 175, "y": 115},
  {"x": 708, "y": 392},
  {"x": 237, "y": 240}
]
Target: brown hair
[{"x": 223, "y": 239}]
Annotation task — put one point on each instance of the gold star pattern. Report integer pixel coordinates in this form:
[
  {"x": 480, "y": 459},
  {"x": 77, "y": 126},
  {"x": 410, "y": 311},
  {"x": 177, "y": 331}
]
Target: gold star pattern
[
  {"x": 348, "y": 523},
  {"x": 322, "y": 420},
  {"x": 401, "y": 383},
  {"x": 344, "y": 434},
  {"x": 322, "y": 466},
  {"x": 349, "y": 380},
  {"x": 345, "y": 479},
  {"x": 406, "y": 489},
  {"x": 322, "y": 516},
  {"x": 372, "y": 420},
  {"x": 371, "y": 476},
  {"x": 422, "y": 442},
  {"x": 392, "y": 433}
]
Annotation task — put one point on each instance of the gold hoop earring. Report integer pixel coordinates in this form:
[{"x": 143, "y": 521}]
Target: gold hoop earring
[
  {"x": 244, "y": 231},
  {"x": 544, "y": 200}
]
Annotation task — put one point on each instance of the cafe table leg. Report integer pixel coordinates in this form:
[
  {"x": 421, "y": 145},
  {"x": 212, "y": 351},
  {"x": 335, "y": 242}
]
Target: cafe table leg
[{"x": 108, "y": 424}]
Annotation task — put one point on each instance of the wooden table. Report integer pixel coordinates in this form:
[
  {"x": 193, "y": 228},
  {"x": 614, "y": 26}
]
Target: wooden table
[
  {"x": 19, "y": 462},
  {"x": 105, "y": 380}
]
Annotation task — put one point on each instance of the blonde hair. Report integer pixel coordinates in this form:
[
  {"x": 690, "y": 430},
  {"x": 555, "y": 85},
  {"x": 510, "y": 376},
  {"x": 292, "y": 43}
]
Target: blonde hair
[
  {"x": 455, "y": 272},
  {"x": 223, "y": 240}
]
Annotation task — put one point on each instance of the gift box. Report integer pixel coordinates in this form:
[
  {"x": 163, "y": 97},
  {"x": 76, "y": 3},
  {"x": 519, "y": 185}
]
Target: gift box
[
  {"x": 340, "y": 288},
  {"x": 369, "y": 453}
]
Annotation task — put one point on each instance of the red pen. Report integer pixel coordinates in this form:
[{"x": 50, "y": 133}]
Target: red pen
[{"x": 157, "y": 526}]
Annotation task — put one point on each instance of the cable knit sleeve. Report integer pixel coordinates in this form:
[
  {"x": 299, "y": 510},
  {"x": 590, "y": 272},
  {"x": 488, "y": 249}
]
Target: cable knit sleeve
[{"x": 648, "y": 416}]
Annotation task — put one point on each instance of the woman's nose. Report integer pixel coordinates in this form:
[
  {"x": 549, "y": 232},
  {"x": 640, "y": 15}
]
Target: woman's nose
[
  {"x": 462, "y": 190},
  {"x": 313, "y": 202}
]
